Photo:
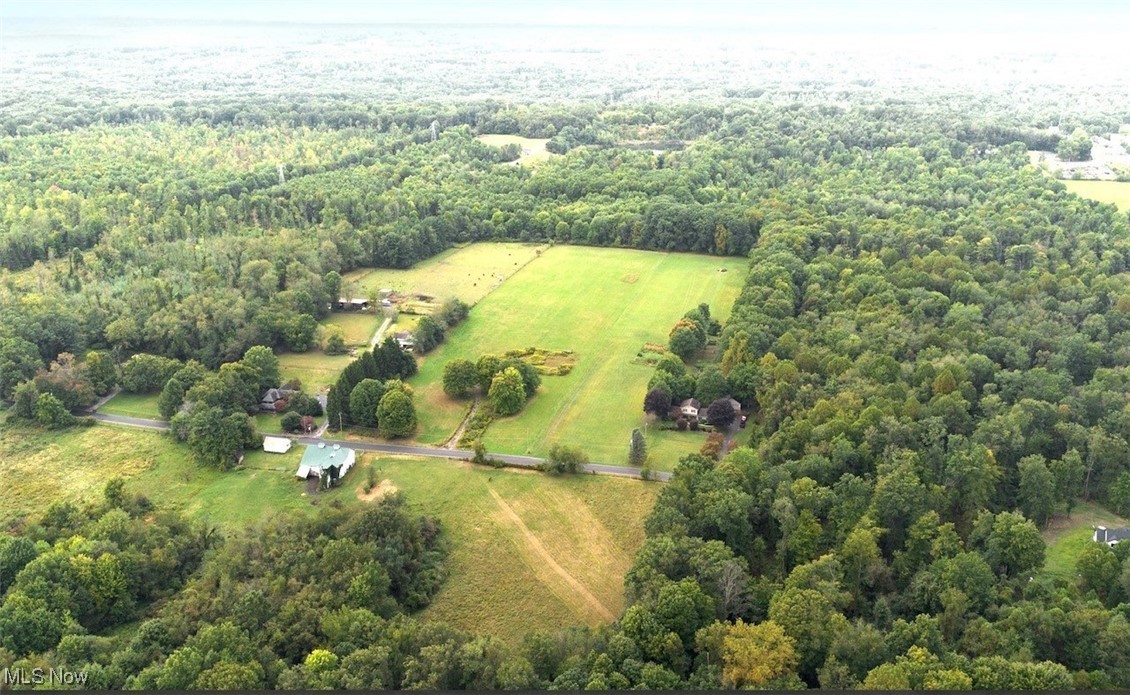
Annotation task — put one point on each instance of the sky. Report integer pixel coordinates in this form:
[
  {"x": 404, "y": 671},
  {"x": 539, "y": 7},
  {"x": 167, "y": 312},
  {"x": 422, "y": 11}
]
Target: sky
[{"x": 909, "y": 16}]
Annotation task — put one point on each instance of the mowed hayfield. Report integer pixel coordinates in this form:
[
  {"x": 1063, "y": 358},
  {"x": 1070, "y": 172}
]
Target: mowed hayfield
[
  {"x": 605, "y": 305},
  {"x": 1067, "y": 536},
  {"x": 1114, "y": 192},
  {"x": 529, "y": 551},
  {"x": 142, "y": 405},
  {"x": 533, "y": 149},
  {"x": 467, "y": 272}
]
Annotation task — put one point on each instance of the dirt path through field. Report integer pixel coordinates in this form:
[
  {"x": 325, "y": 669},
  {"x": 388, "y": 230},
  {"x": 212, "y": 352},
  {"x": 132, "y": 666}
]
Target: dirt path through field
[
  {"x": 536, "y": 546},
  {"x": 453, "y": 442}
]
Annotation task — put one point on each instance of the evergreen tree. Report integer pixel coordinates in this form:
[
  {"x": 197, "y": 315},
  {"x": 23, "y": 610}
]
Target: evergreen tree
[{"x": 637, "y": 449}]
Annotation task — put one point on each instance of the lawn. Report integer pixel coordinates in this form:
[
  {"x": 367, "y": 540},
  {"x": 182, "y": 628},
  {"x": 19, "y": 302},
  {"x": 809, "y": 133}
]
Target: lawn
[
  {"x": 533, "y": 149},
  {"x": 140, "y": 405},
  {"x": 467, "y": 272},
  {"x": 357, "y": 327},
  {"x": 263, "y": 486},
  {"x": 268, "y": 423},
  {"x": 604, "y": 304},
  {"x": 1114, "y": 192},
  {"x": 315, "y": 369},
  {"x": 1067, "y": 536},
  {"x": 529, "y": 551}
]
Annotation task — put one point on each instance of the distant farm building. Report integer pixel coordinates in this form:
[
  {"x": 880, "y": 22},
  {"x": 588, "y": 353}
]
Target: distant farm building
[
  {"x": 328, "y": 463},
  {"x": 354, "y": 304},
  {"x": 1110, "y": 536},
  {"x": 405, "y": 340},
  {"x": 277, "y": 445}
]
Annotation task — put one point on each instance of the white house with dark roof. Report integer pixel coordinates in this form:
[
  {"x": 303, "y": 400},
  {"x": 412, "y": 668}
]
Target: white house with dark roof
[{"x": 1110, "y": 536}]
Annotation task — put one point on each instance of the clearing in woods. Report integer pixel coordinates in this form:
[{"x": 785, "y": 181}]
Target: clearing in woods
[
  {"x": 1066, "y": 536},
  {"x": 575, "y": 298},
  {"x": 533, "y": 149}
]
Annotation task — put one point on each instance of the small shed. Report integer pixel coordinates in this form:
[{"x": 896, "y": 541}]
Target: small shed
[{"x": 277, "y": 445}]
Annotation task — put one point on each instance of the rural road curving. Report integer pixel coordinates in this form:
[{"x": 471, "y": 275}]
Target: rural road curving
[{"x": 406, "y": 449}]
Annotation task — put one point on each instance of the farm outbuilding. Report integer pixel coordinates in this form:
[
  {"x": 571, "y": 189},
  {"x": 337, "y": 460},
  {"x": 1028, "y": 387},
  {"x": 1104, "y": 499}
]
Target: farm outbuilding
[{"x": 277, "y": 445}]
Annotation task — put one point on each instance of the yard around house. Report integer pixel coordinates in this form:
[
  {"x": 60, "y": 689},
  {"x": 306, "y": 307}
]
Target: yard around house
[
  {"x": 1066, "y": 537},
  {"x": 604, "y": 304}
]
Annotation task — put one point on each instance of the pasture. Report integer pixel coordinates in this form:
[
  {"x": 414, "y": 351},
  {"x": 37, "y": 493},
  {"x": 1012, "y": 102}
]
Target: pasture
[
  {"x": 533, "y": 149},
  {"x": 1066, "y": 536},
  {"x": 316, "y": 370},
  {"x": 529, "y": 552},
  {"x": 466, "y": 272},
  {"x": 357, "y": 327},
  {"x": 140, "y": 405},
  {"x": 604, "y": 304},
  {"x": 1116, "y": 193}
]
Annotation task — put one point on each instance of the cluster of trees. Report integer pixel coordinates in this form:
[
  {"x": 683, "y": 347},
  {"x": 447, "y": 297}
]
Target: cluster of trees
[
  {"x": 689, "y": 335},
  {"x": 80, "y": 571},
  {"x": 508, "y": 382},
  {"x": 65, "y": 385},
  {"x": 370, "y": 392},
  {"x": 298, "y": 602},
  {"x": 673, "y": 383},
  {"x": 430, "y": 331},
  {"x": 1075, "y": 148}
]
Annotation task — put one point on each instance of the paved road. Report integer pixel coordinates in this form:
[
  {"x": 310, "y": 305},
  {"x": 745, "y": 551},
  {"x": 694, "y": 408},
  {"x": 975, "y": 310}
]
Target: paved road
[{"x": 406, "y": 449}]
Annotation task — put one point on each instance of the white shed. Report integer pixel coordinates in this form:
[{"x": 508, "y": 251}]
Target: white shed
[{"x": 277, "y": 445}]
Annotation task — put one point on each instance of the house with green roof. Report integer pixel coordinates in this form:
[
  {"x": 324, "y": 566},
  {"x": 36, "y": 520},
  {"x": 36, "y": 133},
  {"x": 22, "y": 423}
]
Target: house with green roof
[{"x": 329, "y": 463}]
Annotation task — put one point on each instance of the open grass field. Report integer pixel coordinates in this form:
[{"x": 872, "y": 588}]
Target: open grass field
[
  {"x": 1114, "y": 192},
  {"x": 41, "y": 466},
  {"x": 529, "y": 551},
  {"x": 316, "y": 370},
  {"x": 1067, "y": 536},
  {"x": 467, "y": 272},
  {"x": 357, "y": 326},
  {"x": 604, "y": 304},
  {"x": 533, "y": 149},
  {"x": 142, "y": 405}
]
